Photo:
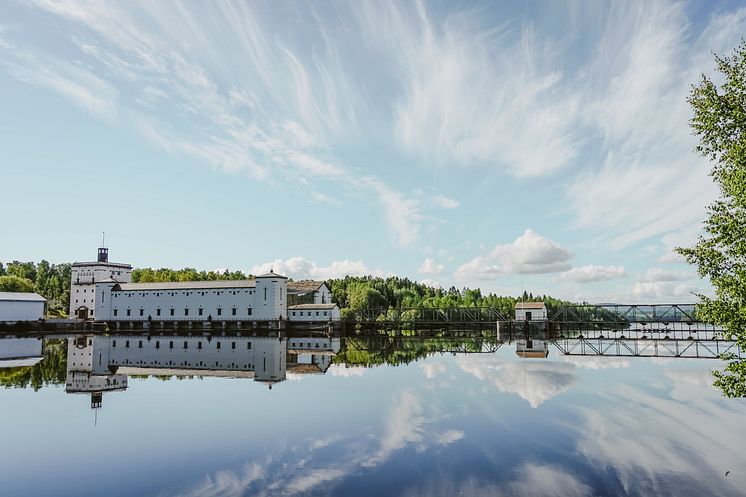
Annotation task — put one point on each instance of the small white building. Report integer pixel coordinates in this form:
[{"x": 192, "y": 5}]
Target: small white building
[
  {"x": 530, "y": 311},
  {"x": 535, "y": 349},
  {"x": 314, "y": 312},
  {"x": 83, "y": 279},
  {"x": 15, "y": 352},
  {"x": 308, "y": 292},
  {"x": 17, "y": 306}
]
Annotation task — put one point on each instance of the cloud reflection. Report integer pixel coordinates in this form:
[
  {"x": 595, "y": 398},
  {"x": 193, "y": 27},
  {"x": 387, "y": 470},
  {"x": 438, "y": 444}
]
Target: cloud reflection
[{"x": 533, "y": 381}]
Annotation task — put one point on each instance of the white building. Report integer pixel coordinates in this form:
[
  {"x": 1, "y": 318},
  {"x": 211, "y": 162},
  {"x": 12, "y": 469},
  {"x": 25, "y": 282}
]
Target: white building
[
  {"x": 16, "y": 306},
  {"x": 261, "y": 299},
  {"x": 83, "y": 279},
  {"x": 104, "y": 291},
  {"x": 530, "y": 311},
  {"x": 15, "y": 352},
  {"x": 528, "y": 348}
]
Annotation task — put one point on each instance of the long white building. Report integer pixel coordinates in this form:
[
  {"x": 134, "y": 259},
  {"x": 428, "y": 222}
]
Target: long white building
[
  {"x": 17, "y": 306},
  {"x": 104, "y": 291}
]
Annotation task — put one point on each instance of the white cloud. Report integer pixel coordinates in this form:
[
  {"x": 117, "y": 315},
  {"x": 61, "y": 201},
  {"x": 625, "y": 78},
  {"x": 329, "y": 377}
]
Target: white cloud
[
  {"x": 649, "y": 183},
  {"x": 429, "y": 266},
  {"x": 301, "y": 268},
  {"x": 663, "y": 290},
  {"x": 657, "y": 274},
  {"x": 312, "y": 479},
  {"x": 591, "y": 273},
  {"x": 432, "y": 369},
  {"x": 597, "y": 362},
  {"x": 449, "y": 437},
  {"x": 534, "y": 381},
  {"x": 476, "y": 95},
  {"x": 530, "y": 253},
  {"x": 405, "y": 425},
  {"x": 445, "y": 202}
]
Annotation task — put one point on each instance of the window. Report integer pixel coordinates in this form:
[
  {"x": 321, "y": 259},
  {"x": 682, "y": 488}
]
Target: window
[
  {"x": 199, "y": 345},
  {"x": 186, "y": 311},
  {"x": 115, "y": 312},
  {"x": 199, "y": 311},
  {"x": 324, "y": 313},
  {"x": 317, "y": 313},
  {"x": 172, "y": 312},
  {"x": 186, "y": 344},
  {"x": 248, "y": 345},
  {"x": 233, "y": 311},
  {"x": 218, "y": 345},
  {"x": 127, "y": 344},
  {"x": 113, "y": 343},
  {"x": 265, "y": 293},
  {"x": 248, "y": 311},
  {"x": 220, "y": 311},
  {"x": 141, "y": 311},
  {"x": 293, "y": 313},
  {"x": 171, "y": 344},
  {"x": 128, "y": 312},
  {"x": 233, "y": 345},
  {"x": 157, "y": 344},
  {"x": 157, "y": 312},
  {"x": 139, "y": 344}
]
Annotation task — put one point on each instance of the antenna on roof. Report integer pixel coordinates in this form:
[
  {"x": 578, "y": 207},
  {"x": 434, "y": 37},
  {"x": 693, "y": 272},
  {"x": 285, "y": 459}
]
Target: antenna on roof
[{"x": 103, "y": 238}]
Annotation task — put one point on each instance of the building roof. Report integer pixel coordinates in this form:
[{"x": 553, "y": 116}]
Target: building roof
[
  {"x": 130, "y": 370},
  {"x": 184, "y": 285},
  {"x": 272, "y": 274},
  {"x": 21, "y": 297},
  {"x": 97, "y": 263},
  {"x": 530, "y": 305},
  {"x": 304, "y": 286},
  {"x": 310, "y": 307}
]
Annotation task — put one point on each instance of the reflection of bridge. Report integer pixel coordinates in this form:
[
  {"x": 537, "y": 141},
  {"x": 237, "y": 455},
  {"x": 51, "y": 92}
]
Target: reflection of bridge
[{"x": 694, "y": 348}]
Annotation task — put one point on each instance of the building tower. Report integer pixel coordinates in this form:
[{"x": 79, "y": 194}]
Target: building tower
[{"x": 83, "y": 279}]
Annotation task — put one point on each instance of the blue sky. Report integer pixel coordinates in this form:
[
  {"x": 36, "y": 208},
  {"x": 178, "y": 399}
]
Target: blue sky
[{"x": 497, "y": 145}]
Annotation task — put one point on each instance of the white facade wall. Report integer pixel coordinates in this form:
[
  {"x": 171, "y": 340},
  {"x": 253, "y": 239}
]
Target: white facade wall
[
  {"x": 264, "y": 356},
  {"x": 271, "y": 297},
  {"x": 314, "y": 314},
  {"x": 83, "y": 283},
  {"x": 87, "y": 367},
  {"x": 323, "y": 295},
  {"x": 194, "y": 304},
  {"x": 536, "y": 314},
  {"x": 20, "y": 348},
  {"x": 12, "y": 311}
]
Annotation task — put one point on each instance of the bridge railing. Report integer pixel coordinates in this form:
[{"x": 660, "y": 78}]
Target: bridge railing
[{"x": 619, "y": 313}]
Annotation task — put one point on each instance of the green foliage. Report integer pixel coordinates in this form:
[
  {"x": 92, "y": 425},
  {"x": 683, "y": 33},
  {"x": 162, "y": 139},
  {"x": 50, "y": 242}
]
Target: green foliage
[
  {"x": 148, "y": 275},
  {"x": 16, "y": 284},
  {"x": 51, "y": 370},
  {"x": 354, "y": 293},
  {"x": 720, "y": 255},
  {"x": 51, "y": 281}
]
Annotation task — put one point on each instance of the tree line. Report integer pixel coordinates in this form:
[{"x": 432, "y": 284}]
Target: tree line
[{"x": 51, "y": 281}]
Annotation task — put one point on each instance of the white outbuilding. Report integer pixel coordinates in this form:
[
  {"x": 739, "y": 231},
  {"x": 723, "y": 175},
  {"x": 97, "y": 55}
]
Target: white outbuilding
[
  {"x": 530, "y": 311},
  {"x": 16, "y": 306}
]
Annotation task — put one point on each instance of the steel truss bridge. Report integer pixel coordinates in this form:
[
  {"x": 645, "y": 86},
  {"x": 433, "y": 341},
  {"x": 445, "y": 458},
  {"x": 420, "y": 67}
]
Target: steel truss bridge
[{"x": 695, "y": 348}]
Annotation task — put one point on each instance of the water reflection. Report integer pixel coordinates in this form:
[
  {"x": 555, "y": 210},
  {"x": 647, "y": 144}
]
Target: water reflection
[{"x": 390, "y": 414}]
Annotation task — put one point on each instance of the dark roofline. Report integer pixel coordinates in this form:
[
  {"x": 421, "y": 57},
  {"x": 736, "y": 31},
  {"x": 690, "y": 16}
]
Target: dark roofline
[{"x": 96, "y": 263}]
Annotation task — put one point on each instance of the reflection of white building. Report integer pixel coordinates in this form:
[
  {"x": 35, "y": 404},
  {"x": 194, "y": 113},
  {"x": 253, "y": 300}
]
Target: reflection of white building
[
  {"x": 104, "y": 291},
  {"x": 15, "y": 352},
  {"x": 530, "y": 311},
  {"x": 88, "y": 371},
  {"x": 103, "y": 363},
  {"x": 528, "y": 348},
  {"x": 17, "y": 306}
]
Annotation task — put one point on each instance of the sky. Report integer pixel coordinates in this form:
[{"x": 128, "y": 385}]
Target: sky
[{"x": 502, "y": 145}]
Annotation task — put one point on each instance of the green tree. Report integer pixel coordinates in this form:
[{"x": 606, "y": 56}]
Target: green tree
[
  {"x": 720, "y": 254},
  {"x": 16, "y": 284}
]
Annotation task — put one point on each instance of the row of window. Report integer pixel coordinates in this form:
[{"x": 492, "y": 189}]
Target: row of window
[
  {"x": 171, "y": 344},
  {"x": 172, "y": 312},
  {"x": 186, "y": 363},
  {"x": 308, "y": 313}
]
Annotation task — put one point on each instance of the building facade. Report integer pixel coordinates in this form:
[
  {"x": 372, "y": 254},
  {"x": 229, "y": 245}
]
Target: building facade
[
  {"x": 83, "y": 279},
  {"x": 16, "y": 306}
]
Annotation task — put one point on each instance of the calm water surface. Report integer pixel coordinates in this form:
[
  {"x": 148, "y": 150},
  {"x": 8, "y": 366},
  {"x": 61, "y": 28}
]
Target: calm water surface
[{"x": 351, "y": 417}]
